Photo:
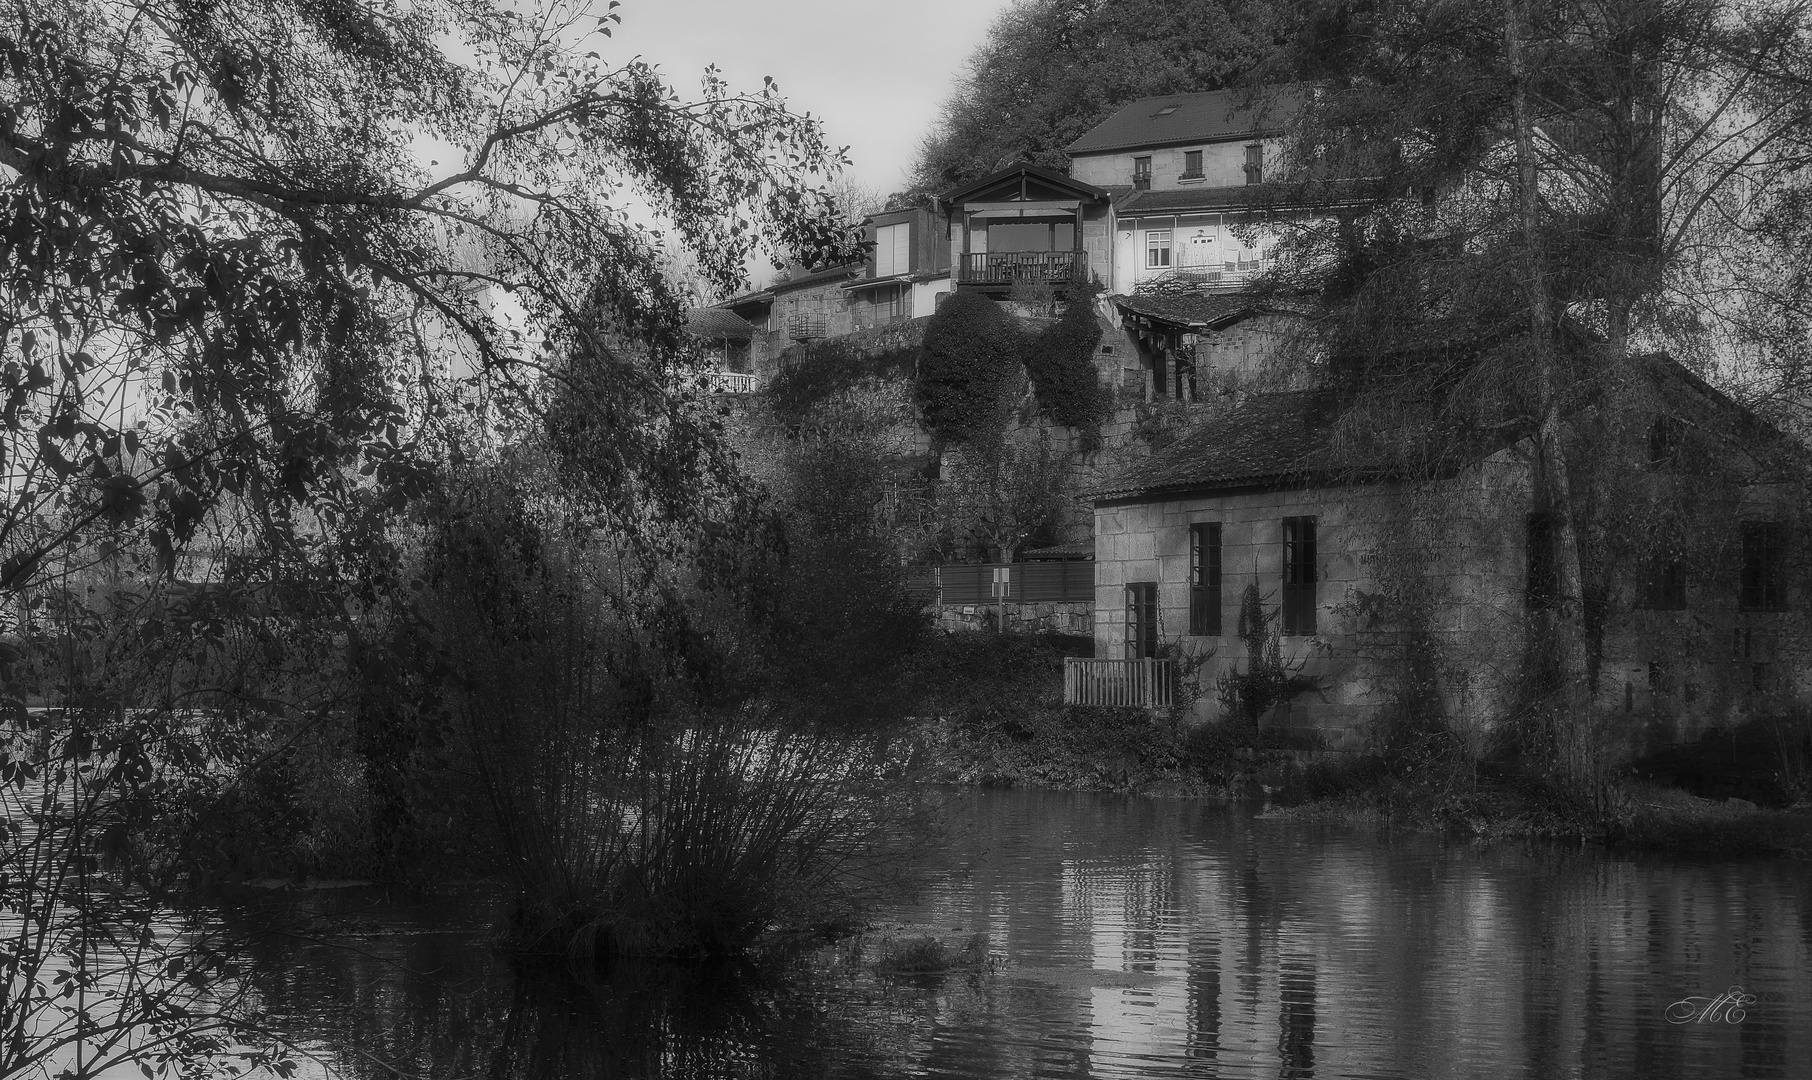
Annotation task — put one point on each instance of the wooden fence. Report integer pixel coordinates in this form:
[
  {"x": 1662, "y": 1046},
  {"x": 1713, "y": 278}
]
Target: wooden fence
[
  {"x": 1068, "y": 581},
  {"x": 1146, "y": 683}
]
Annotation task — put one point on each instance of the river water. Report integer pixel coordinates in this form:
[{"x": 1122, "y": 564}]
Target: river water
[{"x": 1137, "y": 938}]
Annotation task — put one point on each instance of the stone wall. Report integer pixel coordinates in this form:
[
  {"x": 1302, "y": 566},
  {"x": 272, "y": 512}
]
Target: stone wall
[
  {"x": 1049, "y": 617},
  {"x": 1427, "y": 585},
  {"x": 1446, "y": 553}
]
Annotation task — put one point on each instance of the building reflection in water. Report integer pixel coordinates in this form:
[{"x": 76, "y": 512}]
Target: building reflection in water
[{"x": 1171, "y": 938}]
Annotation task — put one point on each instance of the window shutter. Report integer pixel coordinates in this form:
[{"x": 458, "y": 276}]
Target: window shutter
[{"x": 902, "y": 251}]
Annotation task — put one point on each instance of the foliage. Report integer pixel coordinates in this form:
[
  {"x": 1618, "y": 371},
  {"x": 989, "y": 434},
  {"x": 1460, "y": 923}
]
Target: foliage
[
  {"x": 102, "y": 972},
  {"x": 229, "y": 277},
  {"x": 1247, "y": 695},
  {"x": 1002, "y": 497},
  {"x": 843, "y": 621},
  {"x": 1052, "y": 69},
  {"x": 968, "y": 368},
  {"x": 826, "y": 369},
  {"x": 970, "y": 363},
  {"x": 1061, "y": 361},
  {"x": 1551, "y": 189},
  {"x": 628, "y": 814}
]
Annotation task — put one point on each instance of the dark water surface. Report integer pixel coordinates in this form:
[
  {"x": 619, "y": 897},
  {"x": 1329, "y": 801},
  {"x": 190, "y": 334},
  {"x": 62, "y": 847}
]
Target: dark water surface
[{"x": 1136, "y": 938}]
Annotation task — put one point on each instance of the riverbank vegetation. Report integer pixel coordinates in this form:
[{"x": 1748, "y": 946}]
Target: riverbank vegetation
[{"x": 366, "y": 513}]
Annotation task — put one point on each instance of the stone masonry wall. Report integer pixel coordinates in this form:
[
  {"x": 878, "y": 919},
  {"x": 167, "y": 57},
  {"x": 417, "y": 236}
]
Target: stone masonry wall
[{"x": 1047, "y": 617}]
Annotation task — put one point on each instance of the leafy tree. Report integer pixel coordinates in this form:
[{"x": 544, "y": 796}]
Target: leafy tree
[
  {"x": 1550, "y": 188},
  {"x": 267, "y": 270},
  {"x": 259, "y": 250},
  {"x": 1052, "y": 69}
]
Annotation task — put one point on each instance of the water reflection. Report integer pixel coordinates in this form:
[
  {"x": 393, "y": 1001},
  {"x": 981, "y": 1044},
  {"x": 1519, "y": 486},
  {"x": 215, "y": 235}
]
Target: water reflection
[{"x": 1143, "y": 938}]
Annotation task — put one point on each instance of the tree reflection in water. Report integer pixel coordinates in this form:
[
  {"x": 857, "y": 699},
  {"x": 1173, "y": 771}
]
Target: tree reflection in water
[{"x": 1143, "y": 938}]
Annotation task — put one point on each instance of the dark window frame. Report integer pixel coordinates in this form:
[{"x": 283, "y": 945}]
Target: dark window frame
[
  {"x": 1141, "y": 620},
  {"x": 1205, "y": 579},
  {"x": 1666, "y": 586},
  {"x": 1299, "y": 576},
  {"x": 1762, "y": 584},
  {"x": 1192, "y": 165},
  {"x": 1255, "y": 163},
  {"x": 1665, "y": 435},
  {"x": 1141, "y": 173}
]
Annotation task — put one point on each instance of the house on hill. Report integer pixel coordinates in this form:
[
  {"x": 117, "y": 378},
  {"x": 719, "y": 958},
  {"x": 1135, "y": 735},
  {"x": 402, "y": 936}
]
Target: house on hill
[
  {"x": 725, "y": 338},
  {"x": 900, "y": 279},
  {"x": 1167, "y": 204},
  {"x": 1406, "y": 562}
]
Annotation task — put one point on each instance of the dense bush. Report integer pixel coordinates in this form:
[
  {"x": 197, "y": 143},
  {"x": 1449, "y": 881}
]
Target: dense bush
[
  {"x": 821, "y": 370},
  {"x": 973, "y": 350},
  {"x": 1061, "y": 361},
  {"x": 627, "y": 814}
]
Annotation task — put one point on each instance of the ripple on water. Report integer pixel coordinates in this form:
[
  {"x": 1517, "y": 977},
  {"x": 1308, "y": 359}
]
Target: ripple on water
[{"x": 1155, "y": 938}]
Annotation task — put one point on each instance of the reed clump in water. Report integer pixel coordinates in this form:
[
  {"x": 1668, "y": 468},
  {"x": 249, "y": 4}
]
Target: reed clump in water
[{"x": 630, "y": 815}]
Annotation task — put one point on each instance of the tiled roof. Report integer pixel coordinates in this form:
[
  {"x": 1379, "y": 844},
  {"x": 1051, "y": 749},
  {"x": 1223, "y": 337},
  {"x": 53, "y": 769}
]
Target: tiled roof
[
  {"x": 1187, "y": 118},
  {"x": 1047, "y": 176},
  {"x": 713, "y": 323},
  {"x": 1206, "y": 311},
  {"x": 1295, "y": 437},
  {"x": 1269, "y": 437},
  {"x": 816, "y": 277},
  {"x": 1201, "y": 198}
]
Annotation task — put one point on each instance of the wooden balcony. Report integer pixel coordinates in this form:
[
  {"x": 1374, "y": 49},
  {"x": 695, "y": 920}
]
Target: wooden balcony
[
  {"x": 1142, "y": 684},
  {"x": 1004, "y": 269},
  {"x": 732, "y": 382}
]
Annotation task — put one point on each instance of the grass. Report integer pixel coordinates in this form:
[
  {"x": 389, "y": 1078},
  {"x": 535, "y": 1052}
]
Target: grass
[{"x": 1504, "y": 803}]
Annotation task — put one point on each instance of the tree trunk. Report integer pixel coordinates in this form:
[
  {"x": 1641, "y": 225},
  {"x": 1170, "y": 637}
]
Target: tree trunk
[{"x": 1573, "y": 749}]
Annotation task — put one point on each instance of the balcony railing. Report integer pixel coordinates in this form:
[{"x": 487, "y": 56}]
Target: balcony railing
[
  {"x": 1145, "y": 683},
  {"x": 1229, "y": 274},
  {"x": 733, "y": 382},
  {"x": 1028, "y": 267},
  {"x": 805, "y": 325}
]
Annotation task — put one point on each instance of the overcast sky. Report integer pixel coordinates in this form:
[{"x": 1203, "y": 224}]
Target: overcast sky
[{"x": 874, "y": 71}]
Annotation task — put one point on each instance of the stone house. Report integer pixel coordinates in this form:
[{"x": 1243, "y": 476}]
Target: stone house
[
  {"x": 725, "y": 338},
  {"x": 1413, "y": 565},
  {"x": 904, "y": 272}
]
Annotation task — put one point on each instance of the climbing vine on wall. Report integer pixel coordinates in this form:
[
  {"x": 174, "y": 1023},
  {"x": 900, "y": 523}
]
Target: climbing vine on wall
[
  {"x": 1061, "y": 361},
  {"x": 974, "y": 352},
  {"x": 820, "y": 371}
]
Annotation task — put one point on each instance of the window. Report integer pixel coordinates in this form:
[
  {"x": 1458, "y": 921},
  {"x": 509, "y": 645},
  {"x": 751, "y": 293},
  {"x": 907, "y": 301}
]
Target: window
[
  {"x": 1141, "y": 620},
  {"x": 893, "y": 249},
  {"x": 1763, "y": 584},
  {"x": 1541, "y": 585},
  {"x": 1298, "y": 576},
  {"x": 1205, "y": 579},
  {"x": 1157, "y": 249},
  {"x": 1165, "y": 111},
  {"x": 889, "y": 304},
  {"x": 1663, "y": 441},
  {"x": 1192, "y": 165},
  {"x": 1666, "y": 585},
  {"x": 1255, "y": 163},
  {"x": 1141, "y": 173}
]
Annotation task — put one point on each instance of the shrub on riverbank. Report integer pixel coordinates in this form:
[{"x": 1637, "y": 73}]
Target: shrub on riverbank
[
  {"x": 1494, "y": 801},
  {"x": 999, "y": 719}
]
